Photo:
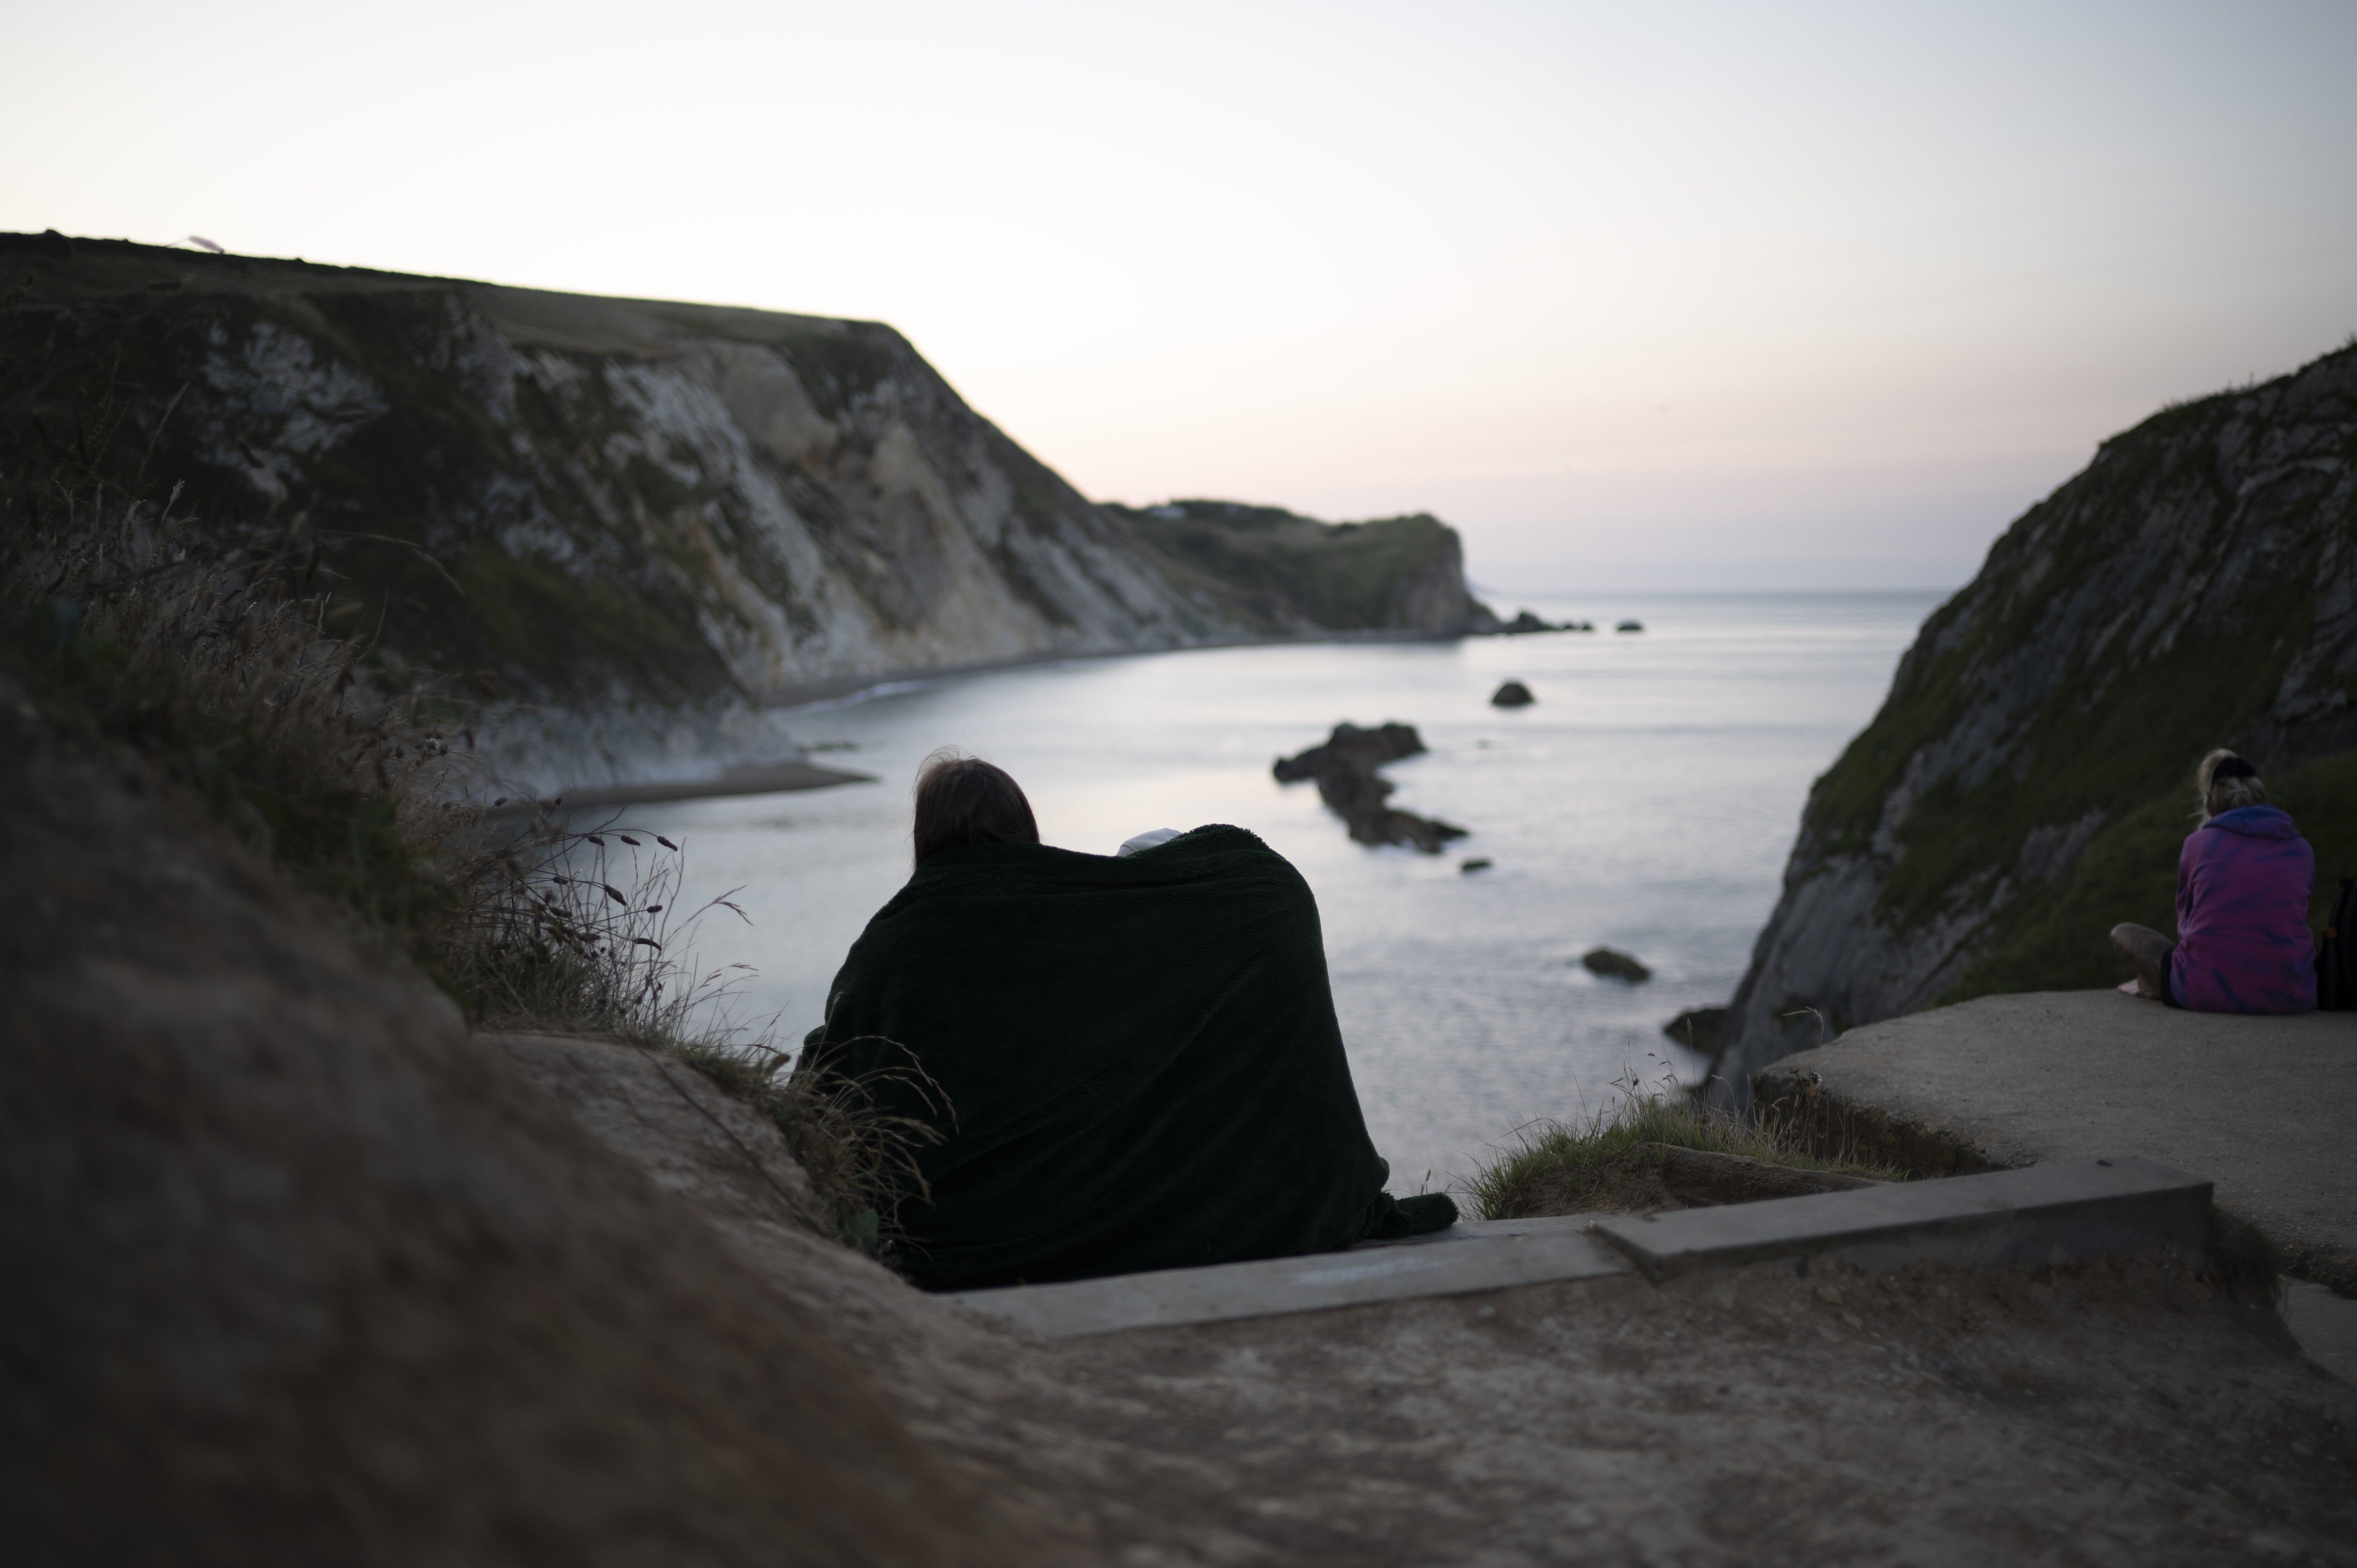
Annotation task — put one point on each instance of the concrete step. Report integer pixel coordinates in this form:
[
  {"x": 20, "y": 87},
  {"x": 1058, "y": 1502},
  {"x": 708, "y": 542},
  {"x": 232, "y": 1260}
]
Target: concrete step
[
  {"x": 1272, "y": 1287},
  {"x": 2081, "y": 1208},
  {"x": 2045, "y": 1214}
]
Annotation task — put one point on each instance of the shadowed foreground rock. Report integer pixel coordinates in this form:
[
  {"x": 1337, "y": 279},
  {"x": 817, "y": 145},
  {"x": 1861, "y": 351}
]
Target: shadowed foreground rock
[
  {"x": 293, "y": 1272},
  {"x": 1345, "y": 767}
]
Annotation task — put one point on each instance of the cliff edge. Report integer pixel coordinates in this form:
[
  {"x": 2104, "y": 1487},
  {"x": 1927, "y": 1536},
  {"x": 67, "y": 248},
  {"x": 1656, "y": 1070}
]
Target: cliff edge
[
  {"x": 1292, "y": 574},
  {"x": 2029, "y": 778},
  {"x": 616, "y": 520}
]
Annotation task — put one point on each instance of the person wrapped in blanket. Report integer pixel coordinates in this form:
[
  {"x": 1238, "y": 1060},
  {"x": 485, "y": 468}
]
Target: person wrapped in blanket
[
  {"x": 2242, "y": 887},
  {"x": 1128, "y": 1062}
]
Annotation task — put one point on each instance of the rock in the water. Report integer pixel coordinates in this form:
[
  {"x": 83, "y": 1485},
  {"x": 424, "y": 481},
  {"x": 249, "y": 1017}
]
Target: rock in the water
[
  {"x": 1630, "y": 625},
  {"x": 1479, "y": 863},
  {"x": 1350, "y": 746},
  {"x": 1614, "y": 964},
  {"x": 1525, "y": 621},
  {"x": 1513, "y": 695},
  {"x": 1696, "y": 1027},
  {"x": 1345, "y": 767}
]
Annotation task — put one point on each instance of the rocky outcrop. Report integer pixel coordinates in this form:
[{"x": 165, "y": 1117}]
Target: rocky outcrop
[
  {"x": 2029, "y": 778},
  {"x": 1513, "y": 695},
  {"x": 620, "y": 527},
  {"x": 1611, "y": 963},
  {"x": 1344, "y": 769},
  {"x": 1294, "y": 574}
]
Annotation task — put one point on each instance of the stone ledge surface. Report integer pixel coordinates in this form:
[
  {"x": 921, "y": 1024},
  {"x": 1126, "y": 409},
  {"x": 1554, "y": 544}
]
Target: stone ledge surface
[
  {"x": 2259, "y": 1105},
  {"x": 1523, "y": 1254},
  {"x": 2047, "y": 1214},
  {"x": 2079, "y": 1209}
]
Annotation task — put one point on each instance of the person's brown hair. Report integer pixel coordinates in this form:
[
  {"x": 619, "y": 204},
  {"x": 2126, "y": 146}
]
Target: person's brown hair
[
  {"x": 962, "y": 800},
  {"x": 2226, "y": 781}
]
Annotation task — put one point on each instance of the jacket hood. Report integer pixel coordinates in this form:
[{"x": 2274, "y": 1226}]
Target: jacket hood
[{"x": 2255, "y": 821}]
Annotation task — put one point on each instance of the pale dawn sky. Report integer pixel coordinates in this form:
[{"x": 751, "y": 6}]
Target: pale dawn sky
[{"x": 1663, "y": 296}]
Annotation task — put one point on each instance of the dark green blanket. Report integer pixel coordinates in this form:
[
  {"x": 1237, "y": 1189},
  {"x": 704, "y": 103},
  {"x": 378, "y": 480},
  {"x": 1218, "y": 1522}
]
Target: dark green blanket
[{"x": 1140, "y": 1057}]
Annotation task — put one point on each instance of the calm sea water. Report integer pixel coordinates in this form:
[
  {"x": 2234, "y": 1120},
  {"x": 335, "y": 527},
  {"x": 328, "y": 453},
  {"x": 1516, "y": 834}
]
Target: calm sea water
[{"x": 1646, "y": 801}]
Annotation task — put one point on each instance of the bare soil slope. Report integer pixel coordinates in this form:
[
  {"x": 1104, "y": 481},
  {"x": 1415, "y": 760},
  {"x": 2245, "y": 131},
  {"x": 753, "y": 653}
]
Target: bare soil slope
[{"x": 291, "y": 1271}]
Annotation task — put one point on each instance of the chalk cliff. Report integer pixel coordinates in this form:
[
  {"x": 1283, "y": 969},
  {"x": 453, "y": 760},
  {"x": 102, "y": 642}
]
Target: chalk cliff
[
  {"x": 2029, "y": 778},
  {"x": 624, "y": 524}
]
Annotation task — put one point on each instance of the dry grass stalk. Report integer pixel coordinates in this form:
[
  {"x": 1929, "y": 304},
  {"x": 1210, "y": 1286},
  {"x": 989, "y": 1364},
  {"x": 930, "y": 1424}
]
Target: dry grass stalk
[
  {"x": 207, "y": 650},
  {"x": 1596, "y": 1166}
]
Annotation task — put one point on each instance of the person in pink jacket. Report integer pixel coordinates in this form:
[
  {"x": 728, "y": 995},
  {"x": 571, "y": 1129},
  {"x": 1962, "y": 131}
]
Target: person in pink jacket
[{"x": 2242, "y": 886}]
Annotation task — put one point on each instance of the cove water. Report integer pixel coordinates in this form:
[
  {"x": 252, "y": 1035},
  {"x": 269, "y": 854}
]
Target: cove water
[{"x": 1647, "y": 801}]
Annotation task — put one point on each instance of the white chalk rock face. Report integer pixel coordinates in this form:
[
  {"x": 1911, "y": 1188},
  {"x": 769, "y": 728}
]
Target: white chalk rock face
[
  {"x": 612, "y": 516},
  {"x": 620, "y": 527}
]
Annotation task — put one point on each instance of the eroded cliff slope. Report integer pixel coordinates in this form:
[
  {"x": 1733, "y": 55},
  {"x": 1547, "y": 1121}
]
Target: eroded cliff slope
[
  {"x": 608, "y": 518},
  {"x": 2029, "y": 778},
  {"x": 569, "y": 491}
]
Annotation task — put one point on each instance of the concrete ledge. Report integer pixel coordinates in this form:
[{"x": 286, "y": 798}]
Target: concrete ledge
[
  {"x": 2081, "y": 1208},
  {"x": 2257, "y": 1104},
  {"x": 2047, "y": 1214},
  {"x": 1490, "y": 1230},
  {"x": 1510, "y": 1253}
]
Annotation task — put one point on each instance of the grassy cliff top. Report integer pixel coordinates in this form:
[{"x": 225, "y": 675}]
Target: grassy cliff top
[
  {"x": 2029, "y": 777},
  {"x": 81, "y": 269},
  {"x": 1302, "y": 572}
]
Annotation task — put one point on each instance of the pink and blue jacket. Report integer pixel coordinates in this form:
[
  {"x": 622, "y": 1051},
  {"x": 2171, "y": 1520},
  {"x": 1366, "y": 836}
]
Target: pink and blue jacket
[{"x": 2242, "y": 942}]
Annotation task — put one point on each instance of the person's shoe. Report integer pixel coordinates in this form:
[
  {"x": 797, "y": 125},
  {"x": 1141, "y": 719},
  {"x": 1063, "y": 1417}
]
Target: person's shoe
[
  {"x": 1417, "y": 1215},
  {"x": 2149, "y": 950}
]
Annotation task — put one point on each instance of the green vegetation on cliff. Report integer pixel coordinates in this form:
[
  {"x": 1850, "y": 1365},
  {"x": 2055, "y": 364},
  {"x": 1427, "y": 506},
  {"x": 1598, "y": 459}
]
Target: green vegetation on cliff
[
  {"x": 2029, "y": 780},
  {"x": 1294, "y": 573}
]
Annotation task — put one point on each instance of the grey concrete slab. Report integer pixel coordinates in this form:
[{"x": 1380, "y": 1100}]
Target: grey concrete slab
[
  {"x": 2260, "y": 1106},
  {"x": 2080, "y": 1208},
  {"x": 1525, "y": 1252},
  {"x": 2326, "y": 1327},
  {"x": 1489, "y": 1229},
  {"x": 2048, "y": 1214}
]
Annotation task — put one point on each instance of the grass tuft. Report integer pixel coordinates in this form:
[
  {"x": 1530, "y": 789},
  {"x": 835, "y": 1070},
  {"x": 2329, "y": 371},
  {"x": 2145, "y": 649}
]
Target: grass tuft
[
  {"x": 1596, "y": 1167},
  {"x": 862, "y": 1160},
  {"x": 207, "y": 650}
]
